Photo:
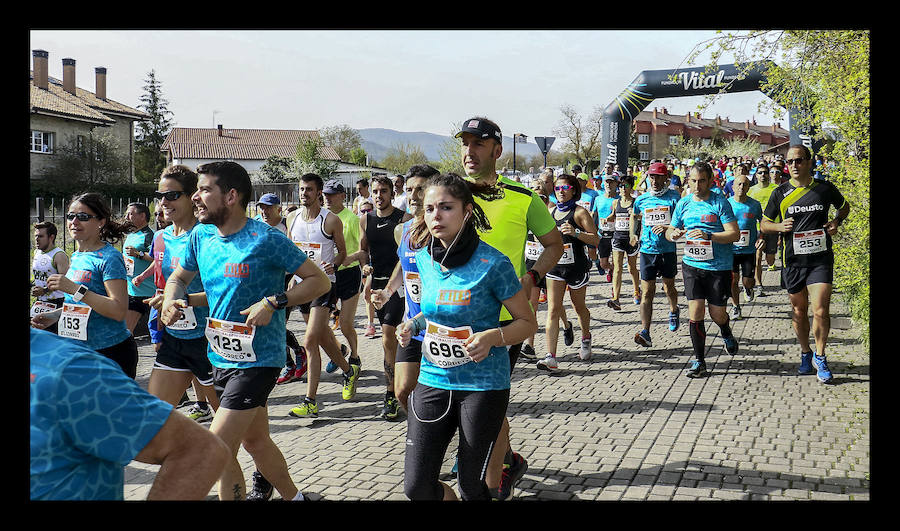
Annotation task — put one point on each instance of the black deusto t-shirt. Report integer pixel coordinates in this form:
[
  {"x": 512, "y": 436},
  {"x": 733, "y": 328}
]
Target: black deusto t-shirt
[{"x": 808, "y": 244}]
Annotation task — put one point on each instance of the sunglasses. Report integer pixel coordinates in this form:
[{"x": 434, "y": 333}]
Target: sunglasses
[
  {"x": 172, "y": 195},
  {"x": 81, "y": 216},
  {"x": 790, "y": 162},
  {"x": 563, "y": 187}
]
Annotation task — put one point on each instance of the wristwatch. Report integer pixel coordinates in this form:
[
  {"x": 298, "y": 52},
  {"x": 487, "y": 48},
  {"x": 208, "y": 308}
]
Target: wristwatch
[
  {"x": 281, "y": 300},
  {"x": 79, "y": 293}
]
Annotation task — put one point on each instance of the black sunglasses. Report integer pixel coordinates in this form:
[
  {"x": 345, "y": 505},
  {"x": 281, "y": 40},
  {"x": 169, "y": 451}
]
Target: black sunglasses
[
  {"x": 794, "y": 161},
  {"x": 82, "y": 216},
  {"x": 172, "y": 195}
]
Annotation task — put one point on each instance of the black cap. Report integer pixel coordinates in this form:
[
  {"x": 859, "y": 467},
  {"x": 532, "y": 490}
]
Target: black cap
[{"x": 481, "y": 129}]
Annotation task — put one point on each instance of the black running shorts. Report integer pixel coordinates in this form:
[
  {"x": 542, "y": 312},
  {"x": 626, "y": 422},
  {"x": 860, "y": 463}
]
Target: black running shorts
[
  {"x": 348, "y": 282},
  {"x": 795, "y": 279},
  {"x": 745, "y": 264},
  {"x": 411, "y": 353},
  {"x": 713, "y": 286},
  {"x": 184, "y": 355},
  {"x": 245, "y": 388},
  {"x": 666, "y": 264}
]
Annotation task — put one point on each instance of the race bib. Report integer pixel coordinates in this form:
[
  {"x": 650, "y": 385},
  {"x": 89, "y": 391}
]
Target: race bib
[
  {"x": 42, "y": 307},
  {"x": 230, "y": 340},
  {"x": 73, "y": 321},
  {"x": 699, "y": 249},
  {"x": 657, "y": 216},
  {"x": 533, "y": 250},
  {"x": 443, "y": 346},
  {"x": 623, "y": 222},
  {"x": 744, "y": 241},
  {"x": 568, "y": 256},
  {"x": 413, "y": 286},
  {"x": 810, "y": 242},
  {"x": 313, "y": 250},
  {"x": 606, "y": 226},
  {"x": 188, "y": 320},
  {"x": 129, "y": 265}
]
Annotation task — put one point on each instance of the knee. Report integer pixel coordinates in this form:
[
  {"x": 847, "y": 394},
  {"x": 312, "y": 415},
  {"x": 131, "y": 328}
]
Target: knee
[
  {"x": 255, "y": 444},
  {"x": 420, "y": 488}
]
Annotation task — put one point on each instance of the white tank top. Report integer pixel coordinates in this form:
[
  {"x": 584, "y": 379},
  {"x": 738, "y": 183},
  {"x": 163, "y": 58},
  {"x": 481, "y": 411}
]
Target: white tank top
[
  {"x": 42, "y": 267},
  {"x": 310, "y": 236}
]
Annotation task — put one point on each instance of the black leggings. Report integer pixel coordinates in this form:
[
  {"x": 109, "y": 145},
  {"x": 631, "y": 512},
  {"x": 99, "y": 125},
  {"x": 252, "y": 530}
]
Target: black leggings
[
  {"x": 125, "y": 354},
  {"x": 434, "y": 416}
]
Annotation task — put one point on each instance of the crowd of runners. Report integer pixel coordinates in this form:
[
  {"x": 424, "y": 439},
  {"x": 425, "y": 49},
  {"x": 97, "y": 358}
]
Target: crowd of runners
[{"x": 454, "y": 268}]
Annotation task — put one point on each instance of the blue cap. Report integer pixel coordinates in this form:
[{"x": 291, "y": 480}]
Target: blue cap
[{"x": 269, "y": 199}]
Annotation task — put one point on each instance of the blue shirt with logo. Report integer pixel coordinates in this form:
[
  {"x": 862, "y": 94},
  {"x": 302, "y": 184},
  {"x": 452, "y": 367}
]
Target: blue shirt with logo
[
  {"x": 468, "y": 295},
  {"x": 652, "y": 243},
  {"x": 408, "y": 265},
  {"x": 237, "y": 271},
  {"x": 140, "y": 240},
  {"x": 88, "y": 420},
  {"x": 709, "y": 216},
  {"x": 748, "y": 215},
  {"x": 174, "y": 250},
  {"x": 93, "y": 268},
  {"x": 602, "y": 209}
]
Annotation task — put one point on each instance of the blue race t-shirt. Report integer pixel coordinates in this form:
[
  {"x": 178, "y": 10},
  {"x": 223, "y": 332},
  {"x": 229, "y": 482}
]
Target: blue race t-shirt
[
  {"x": 602, "y": 209},
  {"x": 468, "y": 295},
  {"x": 709, "y": 216},
  {"x": 174, "y": 250},
  {"x": 141, "y": 240},
  {"x": 655, "y": 243},
  {"x": 88, "y": 420},
  {"x": 412, "y": 284},
  {"x": 237, "y": 271},
  {"x": 93, "y": 268},
  {"x": 588, "y": 197},
  {"x": 748, "y": 215}
]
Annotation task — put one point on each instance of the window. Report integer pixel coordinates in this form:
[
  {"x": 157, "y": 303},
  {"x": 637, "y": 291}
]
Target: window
[
  {"x": 643, "y": 139},
  {"x": 673, "y": 140},
  {"x": 645, "y": 155},
  {"x": 41, "y": 142}
]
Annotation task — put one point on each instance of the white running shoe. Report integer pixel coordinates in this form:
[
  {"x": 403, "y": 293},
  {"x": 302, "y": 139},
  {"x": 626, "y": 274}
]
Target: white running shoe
[
  {"x": 585, "y": 352},
  {"x": 548, "y": 363}
]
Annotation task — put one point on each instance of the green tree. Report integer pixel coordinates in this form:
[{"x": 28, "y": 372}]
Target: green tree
[
  {"x": 358, "y": 156},
  {"x": 89, "y": 159},
  {"x": 149, "y": 161},
  {"x": 579, "y": 135},
  {"x": 824, "y": 74},
  {"x": 309, "y": 160},
  {"x": 400, "y": 157},
  {"x": 450, "y": 153},
  {"x": 342, "y": 138},
  {"x": 276, "y": 169}
]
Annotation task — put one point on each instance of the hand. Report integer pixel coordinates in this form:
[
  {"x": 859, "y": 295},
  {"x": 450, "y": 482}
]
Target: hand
[
  {"x": 404, "y": 333},
  {"x": 137, "y": 281},
  {"x": 328, "y": 268},
  {"x": 831, "y": 227},
  {"x": 632, "y": 240},
  {"x": 760, "y": 243},
  {"x": 259, "y": 314},
  {"x": 171, "y": 311},
  {"x": 62, "y": 283},
  {"x": 659, "y": 229},
  {"x": 696, "y": 234},
  {"x": 155, "y": 301},
  {"x": 678, "y": 233},
  {"x": 379, "y": 297},
  {"x": 366, "y": 270},
  {"x": 787, "y": 225},
  {"x": 479, "y": 345},
  {"x": 45, "y": 319},
  {"x": 527, "y": 282},
  {"x": 130, "y": 251},
  {"x": 567, "y": 229},
  {"x": 37, "y": 291}
]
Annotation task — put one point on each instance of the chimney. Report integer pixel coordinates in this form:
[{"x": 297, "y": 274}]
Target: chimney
[
  {"x": 773, "y": 128},
  {"x": 746, "y": 124},
  {"x": 754, "y": 120},
  {"x": 40, "y": 68},
  {"x": 100, "y": 84},
  {"x": 718, "y": 120},
  {"x": 220, "y": 129},
  {"x": 665, "y": 111},
  {"x": 655, "y": 113},
  {"x": 69, "y": 75},
  {"x": 687, "y": 118}
]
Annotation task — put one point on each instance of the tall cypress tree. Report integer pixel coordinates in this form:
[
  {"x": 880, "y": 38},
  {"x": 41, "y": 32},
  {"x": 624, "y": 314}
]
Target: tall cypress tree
[{"x": 148, "y": 160}]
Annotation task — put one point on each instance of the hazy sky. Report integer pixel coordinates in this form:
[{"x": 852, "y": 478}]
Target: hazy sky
[{"x": 423, "y": 80}]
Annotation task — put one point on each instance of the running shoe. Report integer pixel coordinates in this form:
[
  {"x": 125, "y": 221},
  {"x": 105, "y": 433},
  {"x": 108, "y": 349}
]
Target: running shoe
[
  {"x": 568, "y": 334},
  {"x": 609, "y": 276},
  {"x": 822, "y": 373},
  {"x": 528, "y": 352},
  {"x": 772, "y": 267},
  {"x": 549, "y": 363},
  {"x": 600, "y": 270},
  {"x": 674, "y": 321},
  {"x": 511, "y": 475},
  {"x": 614, "y": 304},
  {"x": 391, "y": 409},
  {"x": 349, "y": 390},
  {"x": 301, "y": 366},
  {"x": 697, "y": 370},
  {"x": 637, "y": 297},
  {"x": 758, "y": 291},
  {"x": 585, "y": 352},
  {"x": 335, "y": 320},
  {"x": 806, "y": 366},
  {"x": 332, "y": 366},
  {"x": 262, "y": 490},
  {"x": 307, "y": 408},
  {"x": 455, "y": 470},
  {"x": 749, "y": 294},
  {"x": 543, "y": 297},
  {"x": 642, "y": 338},
  {"x": 735, "y": 313},
  {"x": 370, "y": 330},
  {"x": 731, "y": 344},
  {"x": 286, "y": 375},
  {"x": 185, "y": 400},
  {"x": 200, "y": 415}
]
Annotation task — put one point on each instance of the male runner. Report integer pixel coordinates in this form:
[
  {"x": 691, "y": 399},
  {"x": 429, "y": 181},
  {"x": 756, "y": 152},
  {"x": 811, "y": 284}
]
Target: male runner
[
  {"x": 708, "y": 222},
  {"x": 653, "y": 210},
  {"x": 798, "y": 209},
  {"x": 320, "y": 235},
  {"x": 269, "y": 206},
  {"x": 242, "y": 263},
  {"x": 136, "y": 252},
  {"x": 516, "y": 211},
  {"x": 761, "y": 192},
  {"x": 48, "y": 260},
  {"x": 377, "y": 239},
  {"x": 749, "y": 213}
]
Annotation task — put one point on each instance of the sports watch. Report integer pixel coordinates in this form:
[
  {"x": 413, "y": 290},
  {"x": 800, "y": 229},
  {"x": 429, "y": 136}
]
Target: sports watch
[
  {"x": 79, "y": 293},
  {"x": 281, "y": 300}
]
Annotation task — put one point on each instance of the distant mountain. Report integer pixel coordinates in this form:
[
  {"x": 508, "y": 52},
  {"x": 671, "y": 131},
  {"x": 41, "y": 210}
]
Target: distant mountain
[{"x": 377, "y": 142}]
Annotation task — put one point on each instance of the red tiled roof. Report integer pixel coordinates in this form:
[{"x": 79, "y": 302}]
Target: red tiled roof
[
  {"x": 84, "y": 105},
  {"x": 665, "y": 119},
  {"x": 239, "y": 144}
]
